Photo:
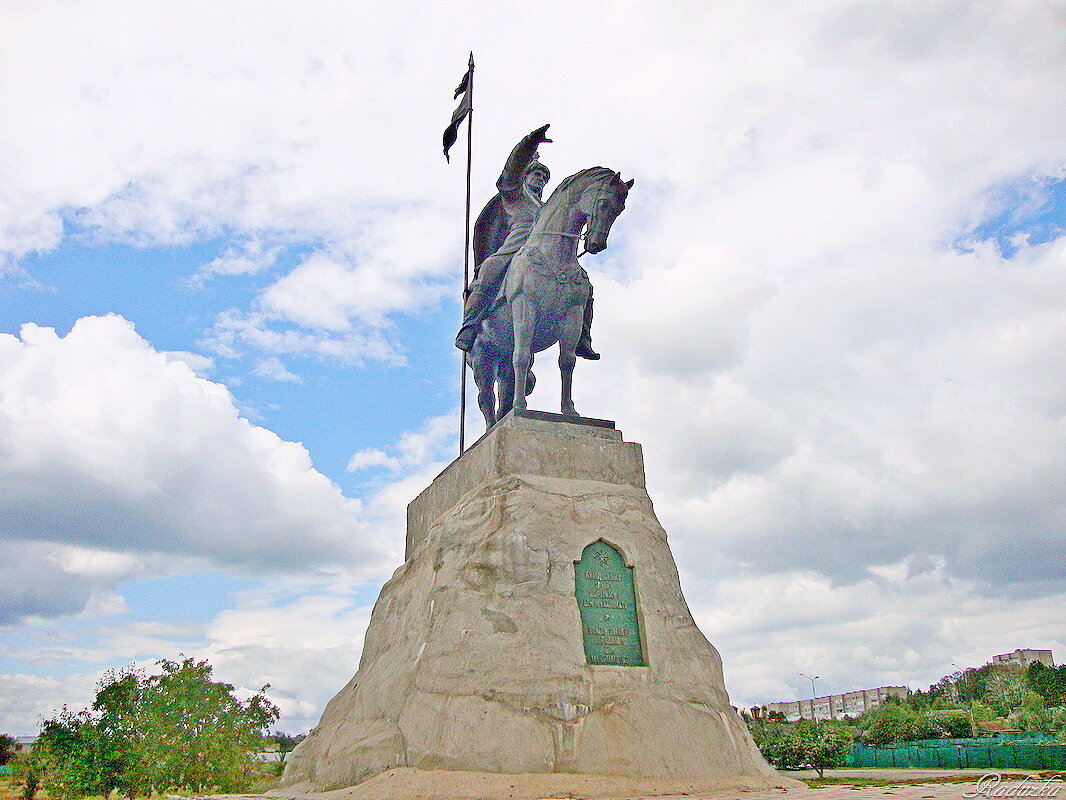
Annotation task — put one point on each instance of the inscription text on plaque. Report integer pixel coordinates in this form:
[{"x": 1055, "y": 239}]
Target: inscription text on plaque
[{"x": 608, "y": 606}]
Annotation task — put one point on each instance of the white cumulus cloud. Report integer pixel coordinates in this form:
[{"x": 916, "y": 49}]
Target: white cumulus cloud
[{"x": 114, "y": 449}]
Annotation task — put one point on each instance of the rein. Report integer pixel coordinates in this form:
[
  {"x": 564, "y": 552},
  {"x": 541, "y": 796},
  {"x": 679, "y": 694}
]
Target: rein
[
  {"x": 600, "y": 191},
  {"x": 578, "y": 236}
]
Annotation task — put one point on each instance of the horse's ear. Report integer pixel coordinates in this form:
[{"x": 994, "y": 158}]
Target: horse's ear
[{"x": 630, "y": 182}]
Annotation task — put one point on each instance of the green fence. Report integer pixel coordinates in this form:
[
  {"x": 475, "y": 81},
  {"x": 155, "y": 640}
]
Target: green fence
[{"x": 1017, "y": 752}]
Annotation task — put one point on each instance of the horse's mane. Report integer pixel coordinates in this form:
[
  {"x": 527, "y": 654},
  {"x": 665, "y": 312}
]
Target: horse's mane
[{"x": 579, "y": 181}]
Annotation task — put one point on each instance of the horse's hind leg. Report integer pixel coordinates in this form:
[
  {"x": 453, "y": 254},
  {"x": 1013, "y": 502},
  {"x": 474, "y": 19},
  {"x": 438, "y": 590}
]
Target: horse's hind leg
[
  {"x": 569, "y": 333},
  {"x": 505, "y": 380},
  {"x": 524, "y": 317},
  {"x": 484, "y": 368}
]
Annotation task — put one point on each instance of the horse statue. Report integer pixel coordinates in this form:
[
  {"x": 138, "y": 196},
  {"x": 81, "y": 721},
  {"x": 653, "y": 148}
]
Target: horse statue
[{"x": 542, "y": 300}]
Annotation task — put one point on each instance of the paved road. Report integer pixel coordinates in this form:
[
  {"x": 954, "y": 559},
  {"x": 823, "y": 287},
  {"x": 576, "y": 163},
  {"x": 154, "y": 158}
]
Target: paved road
[{"x": 981, "y": 783}]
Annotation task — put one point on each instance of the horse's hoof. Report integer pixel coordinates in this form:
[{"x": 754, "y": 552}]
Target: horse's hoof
[{"x": 570, "y": 412}]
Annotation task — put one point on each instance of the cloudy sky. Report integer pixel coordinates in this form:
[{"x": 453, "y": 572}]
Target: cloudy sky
[{"x": 834, "y": 314}]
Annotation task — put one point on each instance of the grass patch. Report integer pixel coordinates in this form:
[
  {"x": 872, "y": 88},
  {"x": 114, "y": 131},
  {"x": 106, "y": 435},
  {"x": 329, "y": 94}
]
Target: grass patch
[
  {"x": 820, "y": 783},
  {"x": 264, "y": 783},
  {"x": 11, "y": 787}
]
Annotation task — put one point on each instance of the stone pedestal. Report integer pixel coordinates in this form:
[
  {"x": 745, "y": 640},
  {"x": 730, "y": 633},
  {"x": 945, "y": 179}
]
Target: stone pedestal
[{"x": 532, "y": 560}]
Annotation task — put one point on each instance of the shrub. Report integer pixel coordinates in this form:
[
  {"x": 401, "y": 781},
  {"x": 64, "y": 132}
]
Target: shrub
[{"x": 175, "y": 730}]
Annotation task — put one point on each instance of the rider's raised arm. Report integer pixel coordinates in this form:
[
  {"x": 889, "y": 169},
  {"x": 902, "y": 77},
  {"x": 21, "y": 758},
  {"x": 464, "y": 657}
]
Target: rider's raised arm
[{"x": 514, "y": 171}]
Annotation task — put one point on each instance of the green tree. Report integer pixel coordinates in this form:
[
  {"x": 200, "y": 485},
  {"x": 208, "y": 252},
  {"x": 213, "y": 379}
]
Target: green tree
[
  {"x": 1048, "y": 682},
  {"x": 770, "y": 737},
  {"x": 952, "y": 725},
  {"x": 894, "y": 722},
  {"x": 7, "y": 747},
  {"x": 919, "y": 700},
  {"x": 178, "y": 729},
  {"x": 1005, "y": 687},
  {"x": 979, "y": 712},
  {"x": 820, "y": 745},
  {"x": 74, "y": 757},
  {"x": 1032, "y": 715},
  {"x": 972, "y": 684},
  {"x": 286, "y": 742},
  {"x": 118, "y": 707},
  {"x": 29, "y": 788},
  {"x": 201, "y": 736},
  {"x": 823, "y": 745}
]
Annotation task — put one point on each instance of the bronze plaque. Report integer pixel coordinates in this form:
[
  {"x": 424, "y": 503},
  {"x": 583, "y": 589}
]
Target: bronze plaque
[{"x": 607, "y": 602}]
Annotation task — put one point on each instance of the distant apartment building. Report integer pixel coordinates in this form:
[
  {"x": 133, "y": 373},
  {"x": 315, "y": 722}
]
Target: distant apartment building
[
  {"x": 1023, "y": 658},
  {"x": 837, "y": 706}
]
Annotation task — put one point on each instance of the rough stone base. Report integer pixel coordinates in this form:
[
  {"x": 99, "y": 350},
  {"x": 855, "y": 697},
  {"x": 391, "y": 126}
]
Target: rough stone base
[{"x": 474, "y": 659}]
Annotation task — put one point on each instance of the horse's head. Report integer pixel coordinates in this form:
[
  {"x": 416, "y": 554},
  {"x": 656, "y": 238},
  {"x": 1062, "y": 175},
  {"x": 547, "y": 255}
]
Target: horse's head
[{"x": 601, "y": 203}]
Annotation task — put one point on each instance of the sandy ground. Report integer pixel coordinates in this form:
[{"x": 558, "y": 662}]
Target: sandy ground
[
  {"x": 407, "y": 784},
  {"x": 912, "y": 784}
]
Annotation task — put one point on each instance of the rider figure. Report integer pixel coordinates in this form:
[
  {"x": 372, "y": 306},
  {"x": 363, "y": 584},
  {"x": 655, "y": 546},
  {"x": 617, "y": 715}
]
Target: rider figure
[{"x": 508, "y": 218}]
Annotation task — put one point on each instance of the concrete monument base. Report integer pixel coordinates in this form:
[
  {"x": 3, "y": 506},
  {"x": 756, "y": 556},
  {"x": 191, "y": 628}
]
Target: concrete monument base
[{"x": 485, "y": 652}]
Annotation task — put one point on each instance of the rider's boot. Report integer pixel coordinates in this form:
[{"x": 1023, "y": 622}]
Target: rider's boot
[
  {"x": 584, "y": 349},
  {"x": 584, "y": 344},
  {"x": 475, "y": 302}
]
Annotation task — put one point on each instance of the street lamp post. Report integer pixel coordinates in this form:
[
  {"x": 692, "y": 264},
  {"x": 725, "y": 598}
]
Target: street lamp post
[
  {"x": 814, "y": 717},
  {"x": 958, "y": 699}
]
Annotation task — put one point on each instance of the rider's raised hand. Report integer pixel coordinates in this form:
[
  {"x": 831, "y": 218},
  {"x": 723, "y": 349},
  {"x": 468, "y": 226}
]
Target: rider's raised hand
[{"x": 538, "y": 137}]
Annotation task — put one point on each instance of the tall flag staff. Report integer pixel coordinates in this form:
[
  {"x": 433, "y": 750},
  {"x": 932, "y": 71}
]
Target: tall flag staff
[{"x": 465, "y": 110}]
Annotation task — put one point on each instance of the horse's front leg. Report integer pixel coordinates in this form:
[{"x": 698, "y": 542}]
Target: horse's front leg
[
  {"x": 524, "y": 317},
  {"x": 569, "y": 334}
]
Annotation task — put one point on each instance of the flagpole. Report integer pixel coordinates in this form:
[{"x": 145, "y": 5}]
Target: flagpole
[{"x": 466, "y": 251}]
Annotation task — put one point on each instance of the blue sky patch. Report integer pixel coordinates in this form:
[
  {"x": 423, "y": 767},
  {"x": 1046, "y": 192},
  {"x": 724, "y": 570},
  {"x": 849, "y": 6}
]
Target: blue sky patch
[{"x": 1025, "y": 212}]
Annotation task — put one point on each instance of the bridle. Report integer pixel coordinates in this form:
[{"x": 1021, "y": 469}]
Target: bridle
[{"x": 601, "y": 190}]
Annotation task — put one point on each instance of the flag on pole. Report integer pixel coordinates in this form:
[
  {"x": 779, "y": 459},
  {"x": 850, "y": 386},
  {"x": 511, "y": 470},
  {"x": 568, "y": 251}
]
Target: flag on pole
[{"x": 451, "y": 133}]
